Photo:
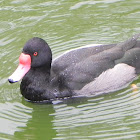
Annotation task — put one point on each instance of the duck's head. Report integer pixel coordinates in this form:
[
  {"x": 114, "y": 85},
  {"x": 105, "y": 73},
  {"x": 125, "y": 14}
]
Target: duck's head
[{"x": 36, "y": 53}]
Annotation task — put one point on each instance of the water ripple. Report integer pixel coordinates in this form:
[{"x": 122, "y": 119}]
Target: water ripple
[
  {"x": 120, "y": 113},
  {"x": 13, "y": 116}
]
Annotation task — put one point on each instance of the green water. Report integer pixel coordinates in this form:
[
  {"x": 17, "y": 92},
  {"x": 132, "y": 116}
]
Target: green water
[{"x": 66, "y": 25}]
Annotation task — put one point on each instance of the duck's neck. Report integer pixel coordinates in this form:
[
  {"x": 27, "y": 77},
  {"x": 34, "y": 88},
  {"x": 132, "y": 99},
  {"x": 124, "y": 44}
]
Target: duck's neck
[
  {"x": 41, "y": 71},
  {"x": 39, "y": 75}
]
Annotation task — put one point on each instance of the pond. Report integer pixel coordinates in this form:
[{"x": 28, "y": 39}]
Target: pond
[{"x": 66, "y": 25}]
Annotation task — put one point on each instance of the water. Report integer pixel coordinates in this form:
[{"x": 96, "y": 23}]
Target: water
[{"x": 66, "y": 25}]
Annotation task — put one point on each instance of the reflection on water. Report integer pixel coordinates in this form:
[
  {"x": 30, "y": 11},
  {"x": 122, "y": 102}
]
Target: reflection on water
[
  {"x": 66, "y": 25},
  {"x": 40, "y": 125},
  {"x": 26, "y": 121}
]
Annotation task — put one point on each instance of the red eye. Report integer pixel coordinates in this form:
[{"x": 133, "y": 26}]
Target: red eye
[{"x": 35, "y": 53}]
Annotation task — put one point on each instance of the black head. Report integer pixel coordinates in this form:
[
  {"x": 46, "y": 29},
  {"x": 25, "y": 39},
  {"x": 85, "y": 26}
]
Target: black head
[
  {"x": 36, "y": 54},
  {"x": 39, "y": 51}
]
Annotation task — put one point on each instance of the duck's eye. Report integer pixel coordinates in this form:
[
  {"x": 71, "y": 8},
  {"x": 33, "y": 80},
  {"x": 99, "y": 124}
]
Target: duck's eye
[{"x": 35, "y": 53}]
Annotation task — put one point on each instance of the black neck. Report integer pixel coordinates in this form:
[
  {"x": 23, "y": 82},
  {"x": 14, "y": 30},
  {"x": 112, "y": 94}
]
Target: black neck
[{"x": 34, "y": 83}]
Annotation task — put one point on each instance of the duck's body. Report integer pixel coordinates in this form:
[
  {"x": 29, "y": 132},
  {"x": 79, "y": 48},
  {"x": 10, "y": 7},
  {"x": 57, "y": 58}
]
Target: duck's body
[{"x": 85, "y": 71}]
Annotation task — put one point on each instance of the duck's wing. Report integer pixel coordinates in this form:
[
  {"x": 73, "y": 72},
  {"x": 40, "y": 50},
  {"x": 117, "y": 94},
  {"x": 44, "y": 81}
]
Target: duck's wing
[
  {"x": 77, "y": 55},
  {"x": 80, "y": 67}
]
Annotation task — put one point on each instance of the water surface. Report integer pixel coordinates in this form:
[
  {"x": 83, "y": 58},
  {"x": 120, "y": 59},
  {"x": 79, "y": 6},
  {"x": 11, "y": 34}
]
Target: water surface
[{"x": 66, "y": 25}]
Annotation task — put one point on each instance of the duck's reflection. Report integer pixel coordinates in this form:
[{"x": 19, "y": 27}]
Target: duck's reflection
[{"x": 40, "y": 126}]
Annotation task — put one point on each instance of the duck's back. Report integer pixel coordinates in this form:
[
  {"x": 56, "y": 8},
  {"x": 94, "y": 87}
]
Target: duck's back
[{"x": 77, "y": 68}]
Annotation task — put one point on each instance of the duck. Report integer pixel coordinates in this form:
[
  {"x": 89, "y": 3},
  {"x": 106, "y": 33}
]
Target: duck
[{"x": 82, "y": 72}]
